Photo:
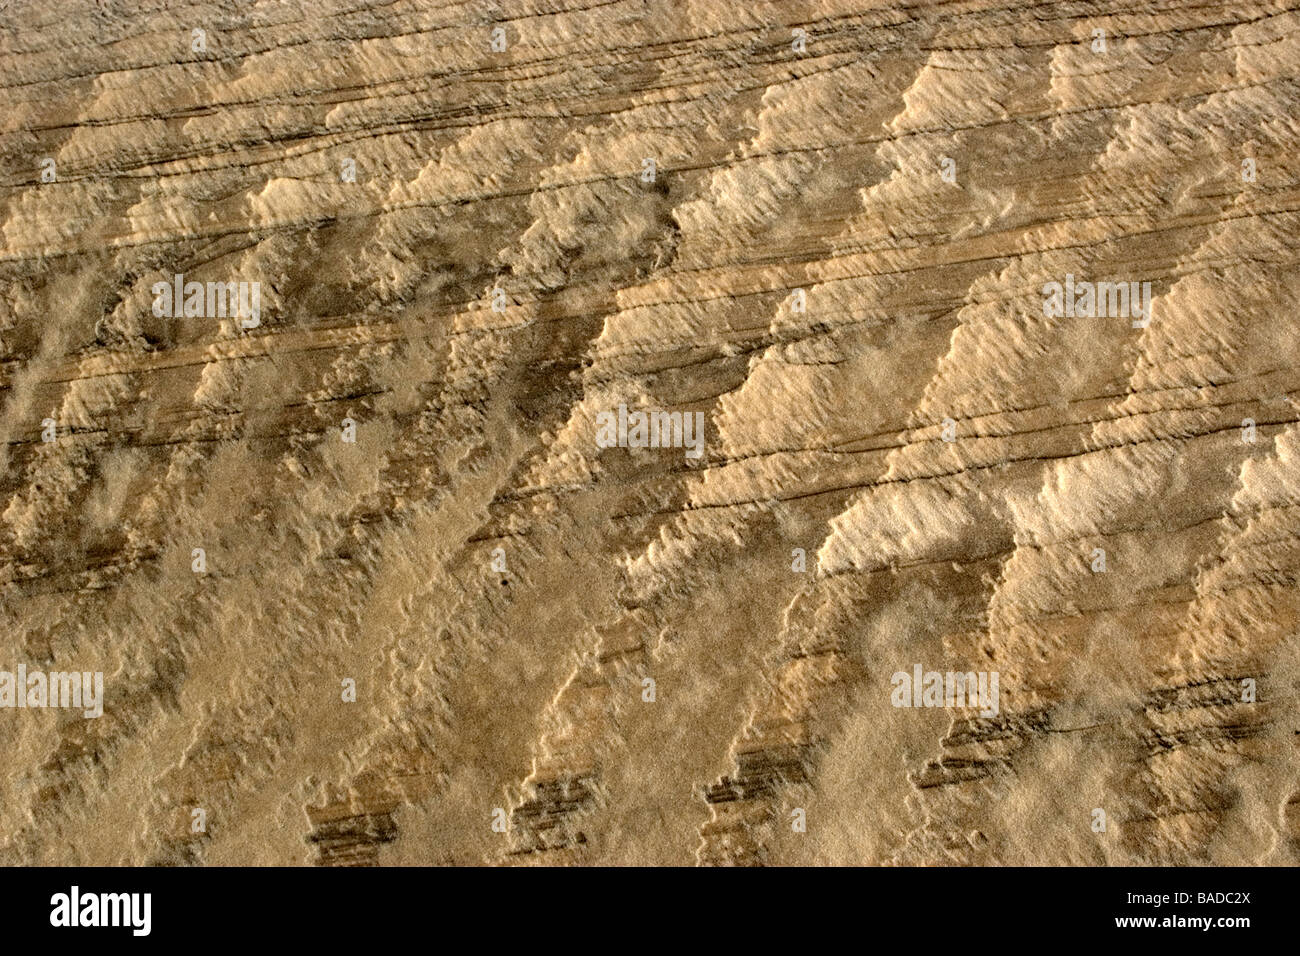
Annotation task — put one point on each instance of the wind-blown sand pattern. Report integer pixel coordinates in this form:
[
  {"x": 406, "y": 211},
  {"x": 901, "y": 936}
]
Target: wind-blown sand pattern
[{"x": 650, "y": 680}]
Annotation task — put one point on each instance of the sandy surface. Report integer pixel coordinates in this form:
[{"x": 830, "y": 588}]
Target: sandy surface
[{"x": 860, "y": 326}]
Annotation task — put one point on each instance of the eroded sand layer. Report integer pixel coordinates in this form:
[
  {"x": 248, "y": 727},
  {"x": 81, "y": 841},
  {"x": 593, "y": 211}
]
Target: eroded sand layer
[{"x": 823, "y": 230}]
